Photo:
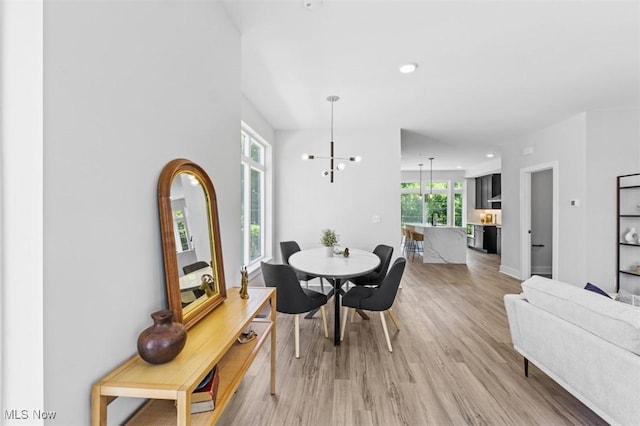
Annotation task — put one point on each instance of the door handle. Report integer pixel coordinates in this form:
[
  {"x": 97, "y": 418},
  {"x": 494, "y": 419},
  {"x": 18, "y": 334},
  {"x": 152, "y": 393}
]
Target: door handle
[{"x": 537, "y": 245}]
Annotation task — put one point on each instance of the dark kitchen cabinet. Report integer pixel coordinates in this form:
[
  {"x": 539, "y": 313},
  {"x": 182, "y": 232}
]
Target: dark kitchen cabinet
[{"x": 488, "y": 187}]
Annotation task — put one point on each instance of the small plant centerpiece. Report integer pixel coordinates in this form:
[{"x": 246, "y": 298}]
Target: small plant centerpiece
[{"x": 329, "y": 239}]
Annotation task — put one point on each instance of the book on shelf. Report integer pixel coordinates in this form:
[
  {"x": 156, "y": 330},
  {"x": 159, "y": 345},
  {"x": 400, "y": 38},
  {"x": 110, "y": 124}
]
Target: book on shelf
[
  {"x": 202, "y": 406},
  {"x": 203, "y": 397}
]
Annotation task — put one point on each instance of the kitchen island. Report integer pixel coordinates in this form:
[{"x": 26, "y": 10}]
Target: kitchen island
[{"x": 442, "y": 244}]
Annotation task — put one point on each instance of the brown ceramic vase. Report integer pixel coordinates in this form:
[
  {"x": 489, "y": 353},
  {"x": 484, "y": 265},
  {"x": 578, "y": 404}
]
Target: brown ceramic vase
[{"x": 164, "y": 340}]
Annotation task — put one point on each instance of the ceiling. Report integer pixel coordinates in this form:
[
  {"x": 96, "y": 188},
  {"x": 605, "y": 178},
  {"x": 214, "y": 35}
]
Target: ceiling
[{"x": 488, "y": 71}]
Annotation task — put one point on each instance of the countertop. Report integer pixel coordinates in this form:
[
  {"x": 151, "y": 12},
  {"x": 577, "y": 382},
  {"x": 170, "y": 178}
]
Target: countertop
[
  {"x": 497, "y": 225},
  {"x": 428, "y": 225}
]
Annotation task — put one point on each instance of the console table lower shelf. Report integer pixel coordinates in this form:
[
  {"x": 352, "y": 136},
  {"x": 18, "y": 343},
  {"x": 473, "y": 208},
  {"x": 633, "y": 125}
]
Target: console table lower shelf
[{"x": 213, "y": 341}]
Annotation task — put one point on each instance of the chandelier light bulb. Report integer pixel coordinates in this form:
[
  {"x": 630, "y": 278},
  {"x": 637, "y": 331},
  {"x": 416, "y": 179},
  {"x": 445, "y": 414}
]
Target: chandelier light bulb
[
  {"x": 325, "y": 173},
  {"x": 341, "y": 166},
  {"x": 307, "y": 157},
  {"x": 408, "y": 68}
]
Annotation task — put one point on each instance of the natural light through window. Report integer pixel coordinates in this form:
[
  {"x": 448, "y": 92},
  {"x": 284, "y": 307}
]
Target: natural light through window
[
  {"x": 253, "y": 177},
  {"x": 440, "y": 203}
]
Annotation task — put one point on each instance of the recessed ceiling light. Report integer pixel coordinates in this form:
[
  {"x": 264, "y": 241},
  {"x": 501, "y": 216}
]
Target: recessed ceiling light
[
  {"x": 312, "y": 3},
  {"x": 458, "y": 167},
  {"x": 489, "y": 155},
  {"x": 408, "y": 68}
]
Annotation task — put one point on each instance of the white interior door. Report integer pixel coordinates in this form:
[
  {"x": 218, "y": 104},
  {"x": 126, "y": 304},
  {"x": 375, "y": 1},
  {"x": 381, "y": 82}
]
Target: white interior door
[
  {"x": 542, "y": 223},
  {"x": 539, "y": 220}
]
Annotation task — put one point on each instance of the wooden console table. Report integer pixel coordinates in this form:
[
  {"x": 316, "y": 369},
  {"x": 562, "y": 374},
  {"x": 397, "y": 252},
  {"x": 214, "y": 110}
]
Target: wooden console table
[{"x": 213, "y": 340}]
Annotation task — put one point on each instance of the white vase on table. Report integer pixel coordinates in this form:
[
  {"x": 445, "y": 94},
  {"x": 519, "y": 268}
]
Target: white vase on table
[
  {"x": 631, "y": 236},
  {"x": 329, "y": 251}
]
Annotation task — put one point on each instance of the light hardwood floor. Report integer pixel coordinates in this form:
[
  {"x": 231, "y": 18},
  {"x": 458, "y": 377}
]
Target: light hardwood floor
[{"x": 452, "y": 363}]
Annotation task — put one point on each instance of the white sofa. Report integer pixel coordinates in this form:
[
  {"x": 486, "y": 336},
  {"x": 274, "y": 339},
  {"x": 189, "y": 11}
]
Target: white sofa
[{"x": 586, "y": 342}]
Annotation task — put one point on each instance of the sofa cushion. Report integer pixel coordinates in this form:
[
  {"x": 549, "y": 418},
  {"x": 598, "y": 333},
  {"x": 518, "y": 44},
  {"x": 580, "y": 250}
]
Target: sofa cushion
[
  {"x": 615, "y": 322},
  {"x": 626, "y": 297}
]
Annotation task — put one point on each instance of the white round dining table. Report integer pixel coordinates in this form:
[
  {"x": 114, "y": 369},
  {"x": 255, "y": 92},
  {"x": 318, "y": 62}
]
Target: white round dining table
[{"x": 336, "y": 268}]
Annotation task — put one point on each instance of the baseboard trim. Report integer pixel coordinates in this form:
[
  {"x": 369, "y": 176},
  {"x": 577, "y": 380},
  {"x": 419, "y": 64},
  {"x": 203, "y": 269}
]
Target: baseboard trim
[
  {"x": 515, "y": 273},
  {"x": 541, "y": 270}
]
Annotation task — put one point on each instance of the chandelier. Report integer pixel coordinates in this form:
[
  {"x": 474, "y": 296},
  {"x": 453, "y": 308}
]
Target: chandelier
[{"x": 333, "y": 167}]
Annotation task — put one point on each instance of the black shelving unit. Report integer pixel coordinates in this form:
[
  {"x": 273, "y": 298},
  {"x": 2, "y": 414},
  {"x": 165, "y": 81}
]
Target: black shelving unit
[{"x": 628, "y": 216}]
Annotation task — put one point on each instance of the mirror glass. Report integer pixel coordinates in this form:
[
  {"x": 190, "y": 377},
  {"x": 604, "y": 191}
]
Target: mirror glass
[{"x": 191, "y": 241}]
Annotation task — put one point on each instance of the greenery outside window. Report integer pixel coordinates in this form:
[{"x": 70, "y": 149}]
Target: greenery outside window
[
  {"x": 182, "y": 232},
  {"x": 437, "y": 186},
  {"x": 410, "y": 211},
  {"x": 410, "y": 185},
  {"x": 457, "y": 209},
  {"x": 253, "y": 177},
  {"x": 436, "y": 208},
  {"x": 443, "y": 207}
]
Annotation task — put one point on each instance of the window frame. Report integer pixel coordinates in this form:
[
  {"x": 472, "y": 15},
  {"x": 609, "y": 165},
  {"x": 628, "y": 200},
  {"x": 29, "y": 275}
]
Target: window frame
[
  {"x": 248, "y": 165},
  {"x": 450, "y": 192}
]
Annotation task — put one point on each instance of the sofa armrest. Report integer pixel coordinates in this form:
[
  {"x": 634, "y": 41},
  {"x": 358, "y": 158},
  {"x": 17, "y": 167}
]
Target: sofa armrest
[{"x": 510, "y": 301}]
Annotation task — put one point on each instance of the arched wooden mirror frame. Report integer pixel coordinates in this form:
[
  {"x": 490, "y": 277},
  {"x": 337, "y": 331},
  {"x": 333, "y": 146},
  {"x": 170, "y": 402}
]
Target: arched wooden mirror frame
[{"x": 172, "y": 276}]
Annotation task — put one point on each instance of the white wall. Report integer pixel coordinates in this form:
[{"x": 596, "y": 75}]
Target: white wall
[
  {"x": 591, "y": 149},
  {"x": 254, "y": 119},
  {"x": 306, "y": 202},
  {"x": 438, "y": 175},
  {"x": 128, "y": 87},
  {"x": 487, "y": 168},
  {"x": 613, "y": 149},
  {"x": 21, "y": 210},
  {"x": 566, "y": 143}
]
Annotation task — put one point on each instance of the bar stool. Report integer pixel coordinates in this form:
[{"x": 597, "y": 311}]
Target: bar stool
[
  {"x": 408, "y": 243},
  {"x": 417, "y": 241}
]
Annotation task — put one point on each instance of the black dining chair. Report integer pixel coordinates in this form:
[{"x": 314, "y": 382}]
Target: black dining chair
[
  {"x": 287, "y": 248},
  {"x": 377, "y": 299},
  {"x": 376, "y": 276},
  {"x": 190, "y": 295},
  {"x": 291, "y": 298},
  {"x": 187, "y": 269}
]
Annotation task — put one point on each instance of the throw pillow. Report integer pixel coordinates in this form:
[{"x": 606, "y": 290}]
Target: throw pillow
[
  {"x": 626, "y": 297},
  {"x": 596, "y": 289}
]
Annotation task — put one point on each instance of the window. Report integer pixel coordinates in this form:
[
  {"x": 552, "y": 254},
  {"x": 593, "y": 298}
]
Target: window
[
  {"x": 253, "y": 184},
  {"x": 182, "y": 233},
  {"x": 457, "y": 209},
  {"x": 410, "y": 211},
  {"x": 180, "y": 228},
  {"x": 436, "y": 208},
  {"x": 442, "y": 207}
]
